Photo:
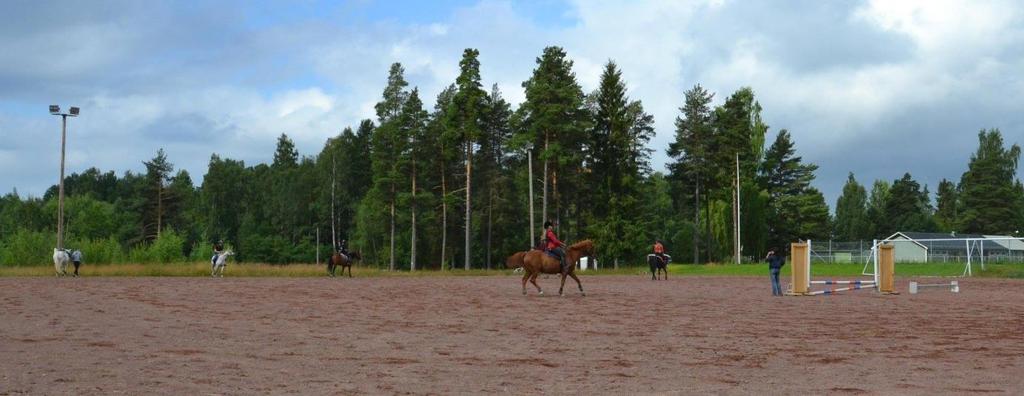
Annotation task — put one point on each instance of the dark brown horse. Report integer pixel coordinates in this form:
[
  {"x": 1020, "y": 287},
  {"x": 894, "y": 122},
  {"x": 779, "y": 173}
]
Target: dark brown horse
[
  {"x": 337, "y": 259},
  {"x": 536, "y": 262},
  {"x": 658, "y": 265}
]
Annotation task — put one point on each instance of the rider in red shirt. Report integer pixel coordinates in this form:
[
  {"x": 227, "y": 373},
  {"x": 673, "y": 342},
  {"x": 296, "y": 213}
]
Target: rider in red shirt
[
  {"x": 659, "y": 250},
  {"x": 554, "y": 245}
]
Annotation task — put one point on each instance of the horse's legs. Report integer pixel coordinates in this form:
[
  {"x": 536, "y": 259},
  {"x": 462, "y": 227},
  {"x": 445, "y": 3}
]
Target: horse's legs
[
  {"x": 580, "y": 285},
  {"x": 77, "y": 264},
  {"x": 562, "y": 286},
  {"x": 533, "y": 279},
  {"x": 349, "y": 270},
  {"x": 526, "y": 276}
]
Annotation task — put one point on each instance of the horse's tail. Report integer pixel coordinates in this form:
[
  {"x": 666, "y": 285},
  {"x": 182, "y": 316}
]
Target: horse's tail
[{"x": 516, "y": 260}]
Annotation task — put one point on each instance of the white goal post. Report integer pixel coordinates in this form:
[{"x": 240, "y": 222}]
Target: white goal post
[{"x": 969, "y": 250}]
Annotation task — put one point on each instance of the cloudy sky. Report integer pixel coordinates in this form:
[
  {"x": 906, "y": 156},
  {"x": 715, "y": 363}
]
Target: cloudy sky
[{"x": 876, "y": 88}]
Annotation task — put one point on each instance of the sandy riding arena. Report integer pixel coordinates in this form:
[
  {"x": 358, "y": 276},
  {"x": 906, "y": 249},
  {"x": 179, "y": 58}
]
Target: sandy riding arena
[{"x": 472, "y": 335}]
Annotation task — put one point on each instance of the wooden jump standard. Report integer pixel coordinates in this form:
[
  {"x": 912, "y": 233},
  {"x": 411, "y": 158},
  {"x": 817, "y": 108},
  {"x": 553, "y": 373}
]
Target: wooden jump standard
[{"x": 801, "y": 273}]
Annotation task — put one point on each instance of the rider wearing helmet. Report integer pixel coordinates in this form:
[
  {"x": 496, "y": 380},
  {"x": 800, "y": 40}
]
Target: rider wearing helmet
[
  {"x": 342, "y": 247},
  {"x": 218, "y": 249},
  {"x": 554, "y": 245}
]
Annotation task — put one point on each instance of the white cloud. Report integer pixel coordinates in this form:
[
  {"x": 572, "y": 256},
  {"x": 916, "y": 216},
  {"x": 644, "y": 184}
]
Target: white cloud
[{"x": 841, "y": 77}]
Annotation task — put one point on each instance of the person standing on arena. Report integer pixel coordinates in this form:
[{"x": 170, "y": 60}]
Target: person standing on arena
[{"x": 775, "y": 263}]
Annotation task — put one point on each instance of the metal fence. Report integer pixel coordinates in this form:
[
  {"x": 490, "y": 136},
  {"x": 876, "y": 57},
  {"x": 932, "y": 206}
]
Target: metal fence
[{"x": 860, "y": 252}]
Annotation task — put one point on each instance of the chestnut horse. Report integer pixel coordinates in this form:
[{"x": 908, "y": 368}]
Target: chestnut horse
[
  {"x": 344, "y": 262},
  {"x": 537, "y": 262}
]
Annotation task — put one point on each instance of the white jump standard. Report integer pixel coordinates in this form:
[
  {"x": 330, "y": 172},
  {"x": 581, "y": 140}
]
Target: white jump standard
[{"x": 953, "y": 286}]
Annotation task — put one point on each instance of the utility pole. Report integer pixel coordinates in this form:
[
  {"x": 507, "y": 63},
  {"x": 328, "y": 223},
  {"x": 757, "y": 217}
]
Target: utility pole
[
  {"x": 736, "y": 219},
  {"x": 55, "y": 110}
]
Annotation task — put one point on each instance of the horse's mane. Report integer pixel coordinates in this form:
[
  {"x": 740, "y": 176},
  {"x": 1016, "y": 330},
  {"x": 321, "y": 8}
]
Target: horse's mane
[{"x": 585, "y": 244}]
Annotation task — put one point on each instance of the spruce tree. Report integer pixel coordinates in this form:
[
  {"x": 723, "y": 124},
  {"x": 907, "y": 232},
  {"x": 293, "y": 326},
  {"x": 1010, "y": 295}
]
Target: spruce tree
[
  {"x": 691, "y": 152},
  {"x": 851, "y": 222},
  {"x": 907, "y": 208},
  {"x": 947, "y": 206},
  {"x": 989, "y": 192}
]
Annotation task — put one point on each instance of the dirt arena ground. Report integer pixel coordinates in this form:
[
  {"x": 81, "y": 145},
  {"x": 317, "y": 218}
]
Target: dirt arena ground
[{"x": 442, "y": 335}]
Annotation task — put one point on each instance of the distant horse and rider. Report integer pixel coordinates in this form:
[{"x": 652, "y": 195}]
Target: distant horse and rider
[
  {"x": 658, "y": 265},
  {"x": 220, "y": 263},
  {"x": 342, "y": 260},
  {"x": 658, "y": 261}
]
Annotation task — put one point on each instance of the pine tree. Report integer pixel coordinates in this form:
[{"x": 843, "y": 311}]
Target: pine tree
[
  {"x": 620, "y": 160},
  {"x": 158, "y": 176},
  {"x": 442, "y": 144},
  {"x": 285, "y": 156},
  {"x": 492, "y": 173},
  {"x": 852, "y": 212},
  {"x": 388, "y": 144},
  {"x": 876, "y": 209},
  {"x": 947, "y": 208},
  {"x": 907, "y": 208},
  {"x": 796, "y": 210},
  {"x": 554, "y": 119},
  {"x": 412, "y": 123},
  {"x": 465, "y": 118},
  {"x": 691, "y": 152},
  {"x": 989, "y": 193}
]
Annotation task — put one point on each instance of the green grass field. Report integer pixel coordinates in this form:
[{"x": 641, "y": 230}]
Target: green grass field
[{"x": 311, "y": 270}]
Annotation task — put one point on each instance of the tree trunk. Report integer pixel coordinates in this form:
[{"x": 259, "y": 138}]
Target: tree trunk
[
  {"x": 444, "y": 215},
  {"x": 391, "y": 255},
  {"x": 710, "y": 238},
  {"x": 544, "y": 200},
  {"x": 159, "y": 208},
  {"x": 334, "y": 221},
  {"x": 412, "y": 241},
  {"x": 469, "y": 180},
  {"x": 490, "y": 215},
  {"x": 696, "y": 223},
  {"x": 554, "y": 197}
]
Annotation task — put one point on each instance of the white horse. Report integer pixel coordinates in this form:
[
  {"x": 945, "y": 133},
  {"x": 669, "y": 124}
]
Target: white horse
[
  {"x": 61, "y": 258},
  {"x": 220, "y": 263}
]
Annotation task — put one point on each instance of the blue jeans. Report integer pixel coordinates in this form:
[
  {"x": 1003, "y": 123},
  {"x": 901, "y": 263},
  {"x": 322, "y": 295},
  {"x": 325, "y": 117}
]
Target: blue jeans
[{"x": 776, "y": 288}]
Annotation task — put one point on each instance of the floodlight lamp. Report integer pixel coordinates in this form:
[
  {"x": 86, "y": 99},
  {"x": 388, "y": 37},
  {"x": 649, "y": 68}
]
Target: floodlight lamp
[
  {"x": 54, "y": 109},
  {"x": 74, "y": 111}
]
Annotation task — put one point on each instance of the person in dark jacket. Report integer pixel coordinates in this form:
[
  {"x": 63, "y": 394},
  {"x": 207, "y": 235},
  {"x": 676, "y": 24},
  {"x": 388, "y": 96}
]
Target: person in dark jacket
[{"x": 775, "y": 263}]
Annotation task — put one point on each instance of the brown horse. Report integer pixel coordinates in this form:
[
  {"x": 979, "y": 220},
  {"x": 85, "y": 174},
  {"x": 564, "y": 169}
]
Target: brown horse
[
  {"x": 344, "y": 262},
  {"x": 536, "y": 262}
]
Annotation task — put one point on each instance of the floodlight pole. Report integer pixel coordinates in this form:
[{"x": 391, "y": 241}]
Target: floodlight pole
[
  {"x": 73, "y": 111},
  {"x": 60, "y": 188}
]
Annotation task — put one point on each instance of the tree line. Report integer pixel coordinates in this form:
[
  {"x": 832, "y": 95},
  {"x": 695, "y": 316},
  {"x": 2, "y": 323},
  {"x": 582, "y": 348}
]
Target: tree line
[{"x": 449, "y": 186}]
